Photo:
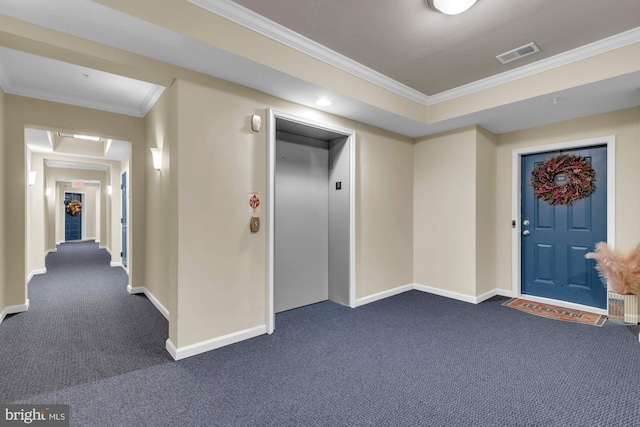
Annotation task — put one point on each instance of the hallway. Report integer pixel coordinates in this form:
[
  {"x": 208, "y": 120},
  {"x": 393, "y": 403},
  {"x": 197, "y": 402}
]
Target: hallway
[{"x": 81, "y": 326}]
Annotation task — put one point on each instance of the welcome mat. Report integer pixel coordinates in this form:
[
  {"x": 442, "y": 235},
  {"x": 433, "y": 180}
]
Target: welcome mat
[{"x": 555, "y": 312}]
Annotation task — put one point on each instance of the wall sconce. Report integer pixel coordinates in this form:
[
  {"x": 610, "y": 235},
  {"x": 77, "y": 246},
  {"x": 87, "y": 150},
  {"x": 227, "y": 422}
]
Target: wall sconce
[
  {"x": 32, "y": 178},
  {"x": 109, "y": 190},
  {"x": 47, "y": 191},
  {"x": 157, "y": 158}
]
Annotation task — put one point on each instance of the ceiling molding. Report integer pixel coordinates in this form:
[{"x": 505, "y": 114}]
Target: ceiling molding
[
  {"x": 72, "y": 100},
  {"x": 593, "y": 49},
  {"x": 150, "y": 99},
  {"x": 258, "y": 23}
]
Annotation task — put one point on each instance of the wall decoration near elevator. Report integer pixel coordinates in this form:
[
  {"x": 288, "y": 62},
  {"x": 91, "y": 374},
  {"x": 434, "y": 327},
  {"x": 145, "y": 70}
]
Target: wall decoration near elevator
[{"x": 254, "y": 202}]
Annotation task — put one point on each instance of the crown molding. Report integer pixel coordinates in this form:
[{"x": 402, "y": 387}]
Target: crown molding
[
  {"x": 71, "y": 100},
  {"x": 601, "y": 46},
  {"x": 150, "y": 99},
  {"x": 258, "y": 23},
  {"x": 261, "y": 25}
]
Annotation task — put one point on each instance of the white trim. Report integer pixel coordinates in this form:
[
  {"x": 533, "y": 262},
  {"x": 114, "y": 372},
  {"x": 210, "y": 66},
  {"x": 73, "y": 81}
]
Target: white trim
[
  {"x": 152, "y": 96},
  {"x": 35, "y": 273},
  {"x": 116, "y": 264},
  {"x": 382, "y": 295},
  {"x": 179, "y": 353},
  {"x": 255, "y": 22},
  {"x": 50, "y": 251},
  {"x": 456, "y": 295},
  {"x": 106, "y": 248},
  {"x": 516, "y": 164},
  {"x": 142, "y": 290},
  {"x": 272, "y": 115},
  {"x": 13, "y": 309}
]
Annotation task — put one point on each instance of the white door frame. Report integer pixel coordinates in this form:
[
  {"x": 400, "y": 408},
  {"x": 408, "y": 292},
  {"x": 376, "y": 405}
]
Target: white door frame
[
  {"x": 272, "y": 115},
  {"x": 516, "y": 198}
]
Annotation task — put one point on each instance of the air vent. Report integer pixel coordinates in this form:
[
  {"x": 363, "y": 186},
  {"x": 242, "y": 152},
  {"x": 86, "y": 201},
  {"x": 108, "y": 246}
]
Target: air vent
[{"x": 518, "y": 53}]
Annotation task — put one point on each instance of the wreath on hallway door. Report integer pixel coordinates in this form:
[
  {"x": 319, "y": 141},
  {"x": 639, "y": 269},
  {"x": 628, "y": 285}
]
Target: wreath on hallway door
[
  {"x": 563, "y": 179},
  {"x": 74, "y": 207}
]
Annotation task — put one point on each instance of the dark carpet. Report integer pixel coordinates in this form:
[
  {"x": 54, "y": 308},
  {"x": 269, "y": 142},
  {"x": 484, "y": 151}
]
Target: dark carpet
[
  {"x": 81, "y": 326},
  {"x": 411, "y": 360}
]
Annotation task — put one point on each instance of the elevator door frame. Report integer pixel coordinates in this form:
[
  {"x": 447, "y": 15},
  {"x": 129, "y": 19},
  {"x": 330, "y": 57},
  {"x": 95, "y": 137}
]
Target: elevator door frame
[{"x": 272, "y": 115}]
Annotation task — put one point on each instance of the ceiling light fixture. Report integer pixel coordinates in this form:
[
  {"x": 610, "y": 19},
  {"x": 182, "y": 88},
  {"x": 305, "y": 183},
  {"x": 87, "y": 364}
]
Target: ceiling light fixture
[
  {"x": 323, "y": 102},
  {"x": 450, "y": 7},
  {"x": 79, "y": 136}
]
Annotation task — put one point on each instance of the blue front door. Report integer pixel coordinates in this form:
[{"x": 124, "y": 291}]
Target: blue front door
[
  {"x": 556, "y": 237},
  {"x": 72, "y": 223}
]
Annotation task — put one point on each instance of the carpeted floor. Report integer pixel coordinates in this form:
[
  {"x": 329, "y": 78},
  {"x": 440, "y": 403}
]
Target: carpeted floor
[
  {"x": 411, "y": 360},
  {"x": 81, "y": 326}
]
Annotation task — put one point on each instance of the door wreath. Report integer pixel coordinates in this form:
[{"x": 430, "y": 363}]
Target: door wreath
[
  {"x": 74, "y": 207},
  {"x": 563, "y": 179}
]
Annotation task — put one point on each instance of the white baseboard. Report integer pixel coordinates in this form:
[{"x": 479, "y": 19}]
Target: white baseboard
[
  {"x": 35, "y": 273},
  {"x": 116, "y": 264},
  {"x": 212, "y": 344},
  {"x": 50, "y": 251},
  {"x": 142, "y": 290},
  {"x": 60, "y": 242},
  {"x": 382, "y": 295},
  {"x": 106, "y": 248},
  {"x": 446, "y": 293},
  {"x": 12, "y": 309}
]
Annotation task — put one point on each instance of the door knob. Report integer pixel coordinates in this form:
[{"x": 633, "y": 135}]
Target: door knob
[
  {"x": 525, "y": 232},
  {"x": 525, "y": 222}
]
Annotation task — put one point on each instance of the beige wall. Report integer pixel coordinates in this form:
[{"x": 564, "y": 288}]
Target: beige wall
[
  {"x": 162, "y": 207},
  {"x": 454, "y": 215},
  {"x": 384, "y": 211},
  {"x": 3, "y": 240},
  {"x": 212, "y": 160},
  {"x": 486, "y": 153},
  {"x": 21, "y": 112},
  {"x": 444, "y": 254},
  {"x": 624, "y": 125}
]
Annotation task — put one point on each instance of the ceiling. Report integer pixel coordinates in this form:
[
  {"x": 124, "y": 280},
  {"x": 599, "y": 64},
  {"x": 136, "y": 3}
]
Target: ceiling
[
  {"x": 432, "y": 52},
  {"x": 402, "y": 46}
]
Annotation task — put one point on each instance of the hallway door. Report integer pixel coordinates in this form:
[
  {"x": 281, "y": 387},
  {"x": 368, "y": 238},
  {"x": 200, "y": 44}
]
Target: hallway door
[
  {"x": 73, "y": 218},
  {"x": 555, "y": 237}
]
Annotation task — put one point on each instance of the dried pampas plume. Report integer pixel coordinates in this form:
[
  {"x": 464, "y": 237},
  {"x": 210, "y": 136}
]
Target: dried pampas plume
[{"x": 622, "y": 271}]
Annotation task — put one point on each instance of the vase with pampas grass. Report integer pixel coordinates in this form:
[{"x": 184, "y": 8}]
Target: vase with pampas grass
[{"x": 622, "y": 273}]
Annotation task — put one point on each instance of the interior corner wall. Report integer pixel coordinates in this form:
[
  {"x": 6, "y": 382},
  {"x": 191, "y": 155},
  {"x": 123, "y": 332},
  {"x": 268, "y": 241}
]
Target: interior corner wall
[
  {"x": 625, "y": 125},
  {"x": 21, "y": 112},
  {"x": 36, "y": 237},
  {"x": 3, "y": 169},
  {"x": 161, "y": 196},
  {"x": 220, "y": 263},
  {"x": 339, "y": 221},
  {"x": 486, "y": 158},
  {"x": 445, "y": 212}
]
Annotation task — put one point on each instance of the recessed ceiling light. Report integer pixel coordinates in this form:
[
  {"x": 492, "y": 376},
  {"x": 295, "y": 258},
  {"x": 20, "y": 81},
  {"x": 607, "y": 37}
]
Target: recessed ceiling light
[
  {"x": 323, "y": 102},
  {"x": 450, "y": 7}
]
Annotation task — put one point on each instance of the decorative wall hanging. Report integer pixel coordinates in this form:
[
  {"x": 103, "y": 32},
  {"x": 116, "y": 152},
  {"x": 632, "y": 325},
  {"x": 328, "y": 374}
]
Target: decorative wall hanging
[
  {"x": 74, "y": 207},
  {"x": 563, "y": 179}
]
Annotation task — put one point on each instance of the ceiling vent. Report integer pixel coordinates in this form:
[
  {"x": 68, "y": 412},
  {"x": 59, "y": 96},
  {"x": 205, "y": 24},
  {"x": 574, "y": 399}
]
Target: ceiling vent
[{"x": 518, "y": 53}]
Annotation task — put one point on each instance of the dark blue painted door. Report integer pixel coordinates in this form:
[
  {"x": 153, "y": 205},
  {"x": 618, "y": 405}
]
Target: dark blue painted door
[
  {"x": 123, "y": 220},
  {"x": 72, "y": 223},
  {"x": 553, "y": 262}
]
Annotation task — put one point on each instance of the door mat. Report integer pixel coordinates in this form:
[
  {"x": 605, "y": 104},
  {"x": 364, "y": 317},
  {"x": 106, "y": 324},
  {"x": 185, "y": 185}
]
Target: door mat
[{"x": 555, "y": 312}]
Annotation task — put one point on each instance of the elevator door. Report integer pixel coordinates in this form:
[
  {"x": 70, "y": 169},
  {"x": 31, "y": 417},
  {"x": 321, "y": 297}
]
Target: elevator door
[{"x": 301, "y": 273}]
